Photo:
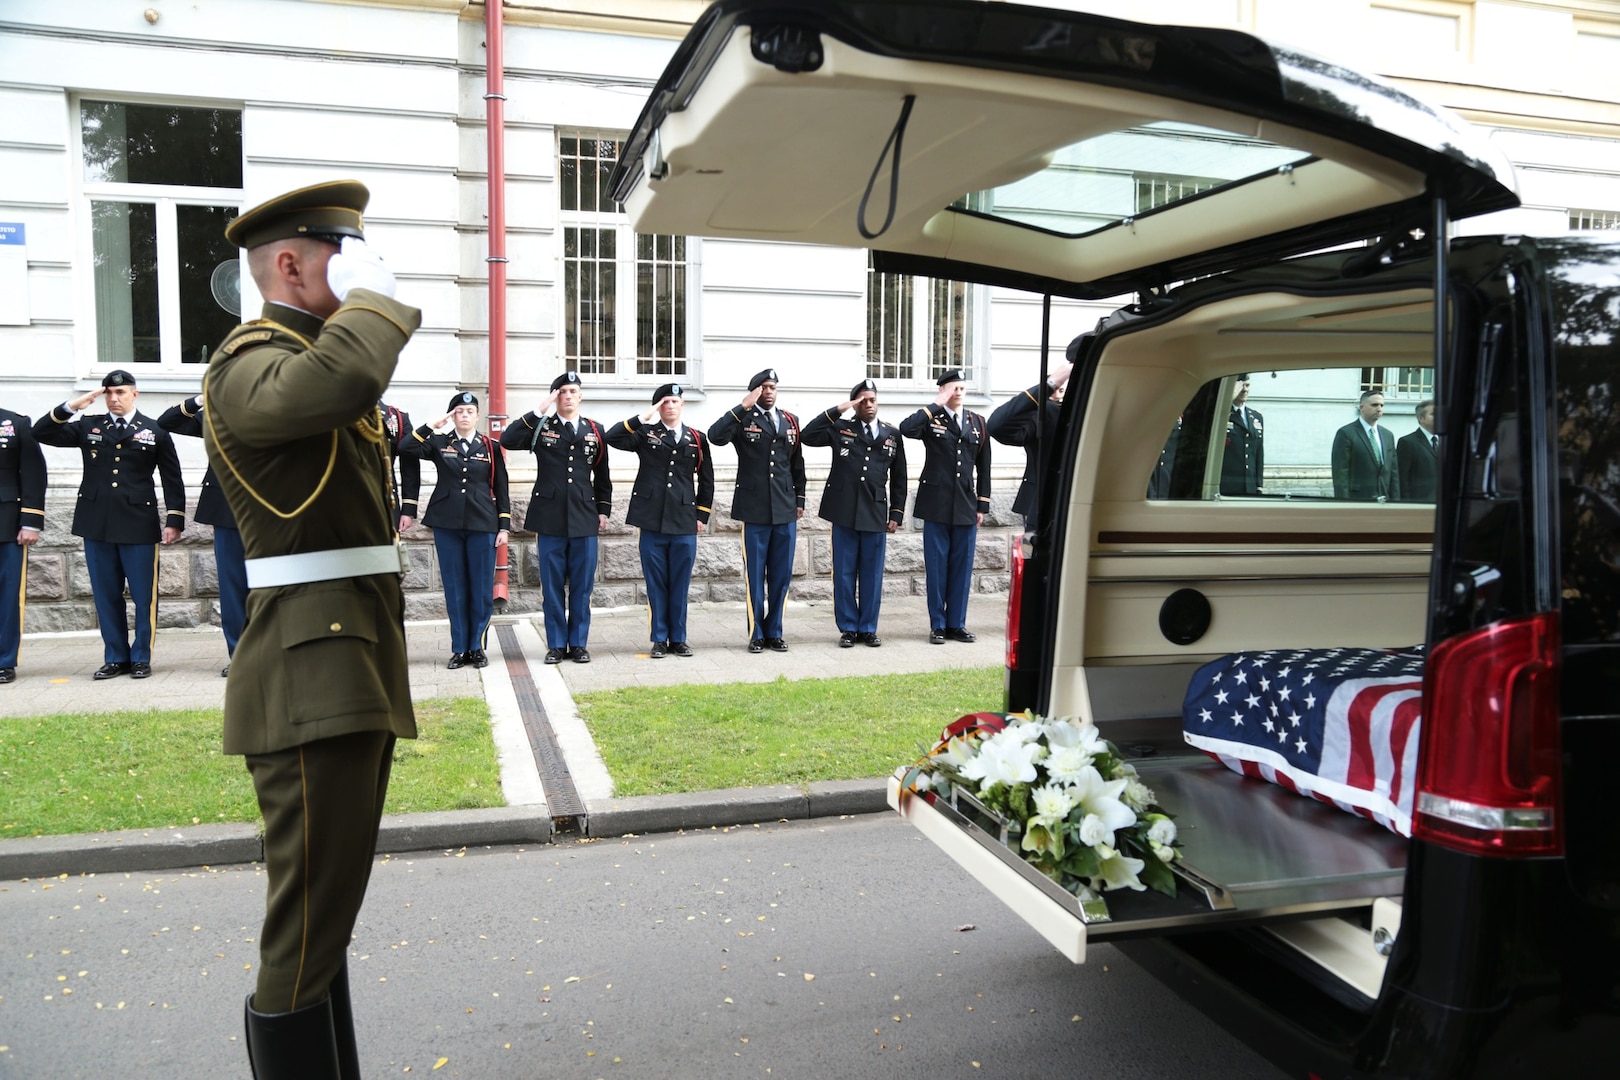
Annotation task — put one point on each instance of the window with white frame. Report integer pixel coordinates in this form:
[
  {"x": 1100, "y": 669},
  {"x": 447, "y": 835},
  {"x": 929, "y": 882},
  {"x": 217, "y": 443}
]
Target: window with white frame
[
  {"x": 624, "y": 296},
  {"x": 1583, "y": 220},
  {"x": 917, "y": 328},
  {"x": 160, "y": 183},
  {"x": 1399, "y": 382}
]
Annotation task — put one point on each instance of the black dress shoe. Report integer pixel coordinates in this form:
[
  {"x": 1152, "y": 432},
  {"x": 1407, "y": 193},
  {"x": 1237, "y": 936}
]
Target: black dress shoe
[
  {"x": 960, "y": 633},
  {"x": 555, "y": 656},
  {"x": 477, "y": 658},
  {"x": 847, "y": 639},
  {"x": 457, "y": 660},
  {"x": 660, "y": 649},
  {"x": 680, "y": 648},
  {"x": 756, "y": 645},
  {"x": 225, "y": 672},
  {"x": 140, "y": 670},
  {"x": 8, "y": 674},
  {"x": 580, "y": 654},
  {"x": 936, "y": 637},
  {"x": 872, "y": 640},
  {"x": 776, "y": 644},
  {"x": 111, "y": 671}
]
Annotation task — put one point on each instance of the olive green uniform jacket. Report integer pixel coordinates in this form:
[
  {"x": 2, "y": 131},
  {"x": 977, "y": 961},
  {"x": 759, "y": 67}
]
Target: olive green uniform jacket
[{"x": 300, "y": 450}]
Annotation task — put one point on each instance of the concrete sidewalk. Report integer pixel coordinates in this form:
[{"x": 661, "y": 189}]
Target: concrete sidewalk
[{"x": 53, "y": 677}]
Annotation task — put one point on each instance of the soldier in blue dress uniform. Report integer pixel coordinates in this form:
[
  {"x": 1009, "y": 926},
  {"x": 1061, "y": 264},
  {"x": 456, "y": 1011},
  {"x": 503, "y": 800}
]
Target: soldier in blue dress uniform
[
  {"x": 212, "y": 510},
  {"x": 117, "y": 512},
  {"x": 1013, "y": 424},
  {"x": 865, "y": 499},
  {"x": 768, "y": 503},
  {"x": 22, "y": 516},
  {"x": 570, "y": 504},
  {"x": 1243, "y": 465},
  {"x": 404, "y": 471},
  {"x": 670, "y": 504},
  {"x": 953, "y": 495},
  {"x": 469, "y": 513}
]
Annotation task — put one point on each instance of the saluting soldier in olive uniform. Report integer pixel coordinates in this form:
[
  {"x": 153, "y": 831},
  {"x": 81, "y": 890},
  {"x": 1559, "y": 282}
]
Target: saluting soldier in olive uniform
[
  {"x": 949, "y": 503},
  {"x": 865, "y": 499},
  {"x": 470, "y": 515},
  {"x": 768, "y": 502},
  {"x": 22, "y": 516},
  {"x": 570, "y": 505},
  {"x": 213, "y": 511},
  {"x": 1013, "y": 424},
  {"x": 318, "y": 690},
  {"x": 117, "y": 512},
  {"x": 670, "y": 504}
]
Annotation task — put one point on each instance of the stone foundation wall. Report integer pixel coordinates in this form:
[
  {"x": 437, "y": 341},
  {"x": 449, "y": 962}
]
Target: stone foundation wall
[{"x": 188, "y": 587}]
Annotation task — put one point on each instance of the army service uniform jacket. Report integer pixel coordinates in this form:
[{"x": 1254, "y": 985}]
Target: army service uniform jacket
[
  {"x": 212, "y": 509},
  {"x": 1013, "y": 424},
  {"x": 1243, "y": 465},
  {"x": 117, "y": 497},
  {"x": 770, "y": 466},
  {"x": 573, "y": 488},
  {"x": 954, "y": 487},
  {"x": 674, "y": 487},
  {"x": 470, "y": 492},
  {"x": 866, "y": 487},
  {"x": 295, "y": 436},
  {"x": 22, "y": 477},
  {"x": 397, "y": 422}
]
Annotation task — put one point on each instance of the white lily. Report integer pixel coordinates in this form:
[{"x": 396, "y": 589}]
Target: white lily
[
  {"x": 1120, "y": 873},
  {"x": 1094, "y": 795},
  {"x": 1002, "y": 761}
]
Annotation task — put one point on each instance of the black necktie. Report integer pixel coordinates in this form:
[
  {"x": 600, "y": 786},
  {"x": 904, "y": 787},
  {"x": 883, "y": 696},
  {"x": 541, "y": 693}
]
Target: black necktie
[
  {"x": 1434, "y": 441},
  {"x": 766, "y": 423}
]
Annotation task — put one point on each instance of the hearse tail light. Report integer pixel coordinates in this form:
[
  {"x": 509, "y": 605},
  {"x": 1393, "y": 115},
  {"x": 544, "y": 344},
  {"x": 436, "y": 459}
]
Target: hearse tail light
[
  {"x": 1015, "y": 598},
  {"x": 1488, "y": 767}
]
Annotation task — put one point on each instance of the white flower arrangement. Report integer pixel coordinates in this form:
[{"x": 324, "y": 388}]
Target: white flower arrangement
[{"x": 1084, "y": 817}]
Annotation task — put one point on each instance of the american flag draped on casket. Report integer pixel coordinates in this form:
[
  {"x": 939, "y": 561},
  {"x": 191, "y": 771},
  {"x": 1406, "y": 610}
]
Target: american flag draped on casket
[{"x": 1340, "y": 725}]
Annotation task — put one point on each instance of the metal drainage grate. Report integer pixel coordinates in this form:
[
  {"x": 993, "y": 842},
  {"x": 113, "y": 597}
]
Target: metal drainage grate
[{"x": 562, "y": 798}]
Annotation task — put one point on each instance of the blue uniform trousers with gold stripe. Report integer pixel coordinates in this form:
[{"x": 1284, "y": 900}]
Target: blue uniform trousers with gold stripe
[
  {"x": 567, "y": 575},
  {"x": 467, "y": 567},
  {"x": 767, "y": 567},
  {"x": 110, "y": 566},
  {"x": 230, "y": 567},
  {"x": 948, "y": 565},
  {"x": 857, "y": 560},
  {"x": 13, "y": 584}
]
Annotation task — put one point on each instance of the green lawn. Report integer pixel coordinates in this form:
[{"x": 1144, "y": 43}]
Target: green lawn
[
  {"x": 141, "y": 770},
  {"x": 697, "y": 738}
]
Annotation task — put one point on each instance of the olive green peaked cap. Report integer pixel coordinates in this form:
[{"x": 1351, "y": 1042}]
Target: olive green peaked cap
[{"x": 327, "y": 211}]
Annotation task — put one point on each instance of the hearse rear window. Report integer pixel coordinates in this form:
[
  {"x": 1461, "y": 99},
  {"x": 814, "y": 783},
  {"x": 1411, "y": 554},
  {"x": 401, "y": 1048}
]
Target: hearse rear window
[{"x": 1362, "y": 434}]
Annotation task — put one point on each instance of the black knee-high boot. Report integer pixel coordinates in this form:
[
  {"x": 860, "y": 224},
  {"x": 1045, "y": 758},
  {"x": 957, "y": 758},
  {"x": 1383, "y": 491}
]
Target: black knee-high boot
[{"x": 297, "y": 1045}]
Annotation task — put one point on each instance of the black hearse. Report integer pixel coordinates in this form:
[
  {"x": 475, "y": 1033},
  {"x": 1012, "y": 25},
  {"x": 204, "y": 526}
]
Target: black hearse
[{"x": 1306, "y": 212}]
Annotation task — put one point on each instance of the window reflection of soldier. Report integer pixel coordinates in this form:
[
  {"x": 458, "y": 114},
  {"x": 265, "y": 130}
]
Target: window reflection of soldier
[
  {"x": 1243, "y": 464},
  {"x": 1013, "y": 424},
  {"x": 213, "y": 511},
  {"x": 865, "y": 500},
  {"x": 22, "y": 516},
  {"x": 319, "y": 688}
]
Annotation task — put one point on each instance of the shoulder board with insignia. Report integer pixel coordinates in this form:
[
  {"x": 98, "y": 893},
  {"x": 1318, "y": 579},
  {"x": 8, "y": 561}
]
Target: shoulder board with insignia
[{"x": 240, "y": 341}]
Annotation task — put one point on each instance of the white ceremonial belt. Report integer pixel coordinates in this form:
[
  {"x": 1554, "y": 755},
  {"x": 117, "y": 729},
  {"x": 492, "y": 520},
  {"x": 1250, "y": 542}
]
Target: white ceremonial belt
[{"x": 328, "y": 565}]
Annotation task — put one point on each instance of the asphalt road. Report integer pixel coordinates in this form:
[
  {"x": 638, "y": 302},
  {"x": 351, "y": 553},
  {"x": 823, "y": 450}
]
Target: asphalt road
[{"x": 824, "y": 948}]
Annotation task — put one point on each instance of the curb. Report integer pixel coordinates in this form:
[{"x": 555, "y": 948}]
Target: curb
[{"x": 219, "y": 845}]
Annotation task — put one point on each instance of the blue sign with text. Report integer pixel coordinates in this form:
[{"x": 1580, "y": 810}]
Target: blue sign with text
[{"x": 13, "y": 232}]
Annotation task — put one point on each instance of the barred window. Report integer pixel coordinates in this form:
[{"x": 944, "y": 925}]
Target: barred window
[
  {"x": 1584, "y": 220},
  {"x": 917, "y": 328},
  {"x": 624, "y": 296},
  {"x": 1399, "y": 382},
  {"x": 1161, "y": 189}
]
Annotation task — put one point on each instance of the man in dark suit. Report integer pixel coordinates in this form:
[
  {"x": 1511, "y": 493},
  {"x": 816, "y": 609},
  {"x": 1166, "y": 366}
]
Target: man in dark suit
[
  {"x": 1013, "y": 424},
  {"x": 569, "y": 507},
  {"x": 117, "y": 512},
  {"x": 22, "y": 516},
  {"x": 1418, "y": 456},
  {"x": 670, "y": 504},
  {"x": 1364, "y": 456},
  {"x": 953, "y": 495},
  {"x": 319, "y": 688},
  {"x": 865, "y": 499},
  {"x": 212, "y": 510},
  {"x": 768, "y": 502},
  {"x": 1244, "y": 462}
]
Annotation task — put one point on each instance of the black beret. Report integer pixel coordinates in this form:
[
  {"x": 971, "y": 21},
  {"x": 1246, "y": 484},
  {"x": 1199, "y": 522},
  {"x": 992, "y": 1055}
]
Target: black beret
[
  {"x": 1072, "y": 353},
  {"x": 328, "y": 211},
  {"x": 466, "y": 397},
  {"x": 862, "y": 387},
  {"x": 118, "y": 377},
  {"x": 567, "y": 378},
  {"x": 953, "y": 375},
  {"x": 766, "y": 376},
  {"x": 669, "y": 389}
]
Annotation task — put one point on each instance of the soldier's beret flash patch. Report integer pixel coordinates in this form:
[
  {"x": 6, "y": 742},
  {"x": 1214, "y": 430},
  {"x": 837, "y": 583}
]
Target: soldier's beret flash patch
[{"x": 467, "y": 398}]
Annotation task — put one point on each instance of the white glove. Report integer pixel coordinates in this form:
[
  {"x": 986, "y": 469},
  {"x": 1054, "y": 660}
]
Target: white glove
[{"x": 356, "y": 266}]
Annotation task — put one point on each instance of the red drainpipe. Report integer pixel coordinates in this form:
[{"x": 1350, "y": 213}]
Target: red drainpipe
[{"x": 495, "y": 136}]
